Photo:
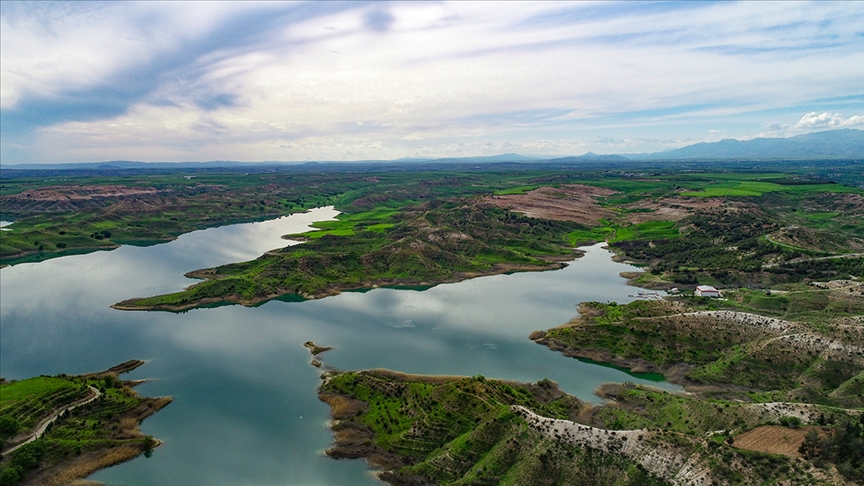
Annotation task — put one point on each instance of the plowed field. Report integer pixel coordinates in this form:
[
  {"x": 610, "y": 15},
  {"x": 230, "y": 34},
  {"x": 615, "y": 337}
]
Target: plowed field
[{"x": 773, "y": 439}]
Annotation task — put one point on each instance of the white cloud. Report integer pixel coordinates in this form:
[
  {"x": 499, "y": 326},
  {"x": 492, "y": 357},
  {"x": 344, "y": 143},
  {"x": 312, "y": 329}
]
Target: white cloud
[
  {"x": 52, "y": 47},
  {"x": 823, "y": 120},
  {"x": 395, "y": 78}
]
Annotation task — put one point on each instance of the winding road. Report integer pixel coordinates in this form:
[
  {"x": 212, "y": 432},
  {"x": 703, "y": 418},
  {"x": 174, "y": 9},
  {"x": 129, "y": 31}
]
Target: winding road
[
  {"x": 44, "y": 423},
  {"x": 806, "y": 259}
]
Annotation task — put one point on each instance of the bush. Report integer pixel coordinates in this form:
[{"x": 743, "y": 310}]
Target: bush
[
  {"x": 791, "y": 422},
  {"x": 8, "y": 425},
  {"x": 11, "y": 476},
  {"x": 29, "y": 455}
]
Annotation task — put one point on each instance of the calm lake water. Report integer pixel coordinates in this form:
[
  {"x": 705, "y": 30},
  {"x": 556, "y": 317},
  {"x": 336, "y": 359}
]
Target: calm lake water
[{"x": 245, "y": 409}]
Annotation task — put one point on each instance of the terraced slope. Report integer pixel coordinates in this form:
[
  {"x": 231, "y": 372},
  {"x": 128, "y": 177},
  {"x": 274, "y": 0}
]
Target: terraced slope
[
  {"x": 726, "y": 350},
  {"x": 450, "y": 430}
]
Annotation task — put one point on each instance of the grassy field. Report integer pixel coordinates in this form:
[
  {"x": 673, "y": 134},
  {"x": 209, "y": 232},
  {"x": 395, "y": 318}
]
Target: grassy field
[
  {"x": 24, "y": 403},
  {"x": 376, "y": 220},
  {"x": 757, "y": 188}
]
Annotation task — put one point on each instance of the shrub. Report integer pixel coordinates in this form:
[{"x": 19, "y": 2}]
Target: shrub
[
  {"x": 8, "y": 425},
  {"x": 791, "y": 422}
]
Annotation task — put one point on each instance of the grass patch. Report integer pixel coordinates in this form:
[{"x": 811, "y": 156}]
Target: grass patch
[
  {"x": 758, "y": 188},
  {"x": 516, "y": 190}
]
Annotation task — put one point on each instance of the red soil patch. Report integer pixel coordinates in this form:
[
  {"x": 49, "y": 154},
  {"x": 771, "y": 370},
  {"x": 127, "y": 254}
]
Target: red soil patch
[{"x": 567, "y": 203}]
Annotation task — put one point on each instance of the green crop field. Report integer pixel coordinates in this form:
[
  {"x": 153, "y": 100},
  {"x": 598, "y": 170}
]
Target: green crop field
[
  {"x": 32, "y": 389},
  {"x": 757, "y": 188}
]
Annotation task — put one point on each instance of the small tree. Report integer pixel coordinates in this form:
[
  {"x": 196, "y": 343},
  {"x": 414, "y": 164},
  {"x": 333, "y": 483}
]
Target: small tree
[
  {"x": 8, "y": 425},
  {"x": 791, "y": 422}
]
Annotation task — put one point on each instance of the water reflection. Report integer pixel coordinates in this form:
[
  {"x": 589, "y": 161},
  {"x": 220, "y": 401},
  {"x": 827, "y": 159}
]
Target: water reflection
[{"x": 245, "y": 409}]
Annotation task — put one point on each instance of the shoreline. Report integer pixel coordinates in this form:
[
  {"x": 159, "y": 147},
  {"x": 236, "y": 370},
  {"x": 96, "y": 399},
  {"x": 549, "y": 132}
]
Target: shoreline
[{"x": 34, "y": 256}]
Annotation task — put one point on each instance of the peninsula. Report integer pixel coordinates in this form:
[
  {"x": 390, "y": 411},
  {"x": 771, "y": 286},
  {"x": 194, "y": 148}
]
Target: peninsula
[
  {"x": 56, "y": 429},
  {"x": 767, "y": 401}
]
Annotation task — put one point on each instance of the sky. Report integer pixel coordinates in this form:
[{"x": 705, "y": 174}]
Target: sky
[{"x": 276, "y": 81}]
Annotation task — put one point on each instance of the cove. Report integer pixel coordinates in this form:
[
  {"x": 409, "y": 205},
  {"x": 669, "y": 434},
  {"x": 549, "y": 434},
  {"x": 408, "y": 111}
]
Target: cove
[{"x": 245, "y": 409}]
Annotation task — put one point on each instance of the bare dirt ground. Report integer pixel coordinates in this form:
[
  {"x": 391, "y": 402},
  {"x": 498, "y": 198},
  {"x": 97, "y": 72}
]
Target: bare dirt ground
[
  {"x": 77, "y": 193},
  {"x": 577, "y": 202},
  {"x": 843, "y": 203},
  {"x": 670, "y": 208},
  {"x": 568, "y": 203},
  {"x": 774, "y": 439}
]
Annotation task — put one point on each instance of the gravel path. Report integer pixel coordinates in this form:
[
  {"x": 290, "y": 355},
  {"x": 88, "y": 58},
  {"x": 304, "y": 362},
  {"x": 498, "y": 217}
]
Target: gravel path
[{"x": 43, "y": 425}]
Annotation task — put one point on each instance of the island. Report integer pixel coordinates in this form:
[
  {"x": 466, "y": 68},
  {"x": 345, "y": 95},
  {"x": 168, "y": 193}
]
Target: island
[{"x": 57, "y": 429}]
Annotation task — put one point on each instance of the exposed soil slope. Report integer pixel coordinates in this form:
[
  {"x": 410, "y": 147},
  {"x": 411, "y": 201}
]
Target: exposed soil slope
[{"x": 572, "y": 202}]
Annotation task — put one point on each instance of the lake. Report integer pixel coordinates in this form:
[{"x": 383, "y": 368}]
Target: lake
[{"x": 245, "y": 408}]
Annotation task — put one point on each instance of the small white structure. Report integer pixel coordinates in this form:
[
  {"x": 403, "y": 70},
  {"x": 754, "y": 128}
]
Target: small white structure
[{"x": 707, "y": 291}]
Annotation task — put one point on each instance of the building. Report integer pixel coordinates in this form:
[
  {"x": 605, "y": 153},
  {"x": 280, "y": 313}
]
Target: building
[{"x": 707, "y": 291}]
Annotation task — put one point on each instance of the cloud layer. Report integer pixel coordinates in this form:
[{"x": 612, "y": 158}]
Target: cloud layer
[
  {"x": 823, "y": 120},
  {"x": 341, "y": 81}
]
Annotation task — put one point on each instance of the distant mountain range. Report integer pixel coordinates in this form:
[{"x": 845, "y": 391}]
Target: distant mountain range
[
  {"x": 590, "y": 157},
  {"x": 845, "y": 143},
  {"x": 842, "y": 144}
]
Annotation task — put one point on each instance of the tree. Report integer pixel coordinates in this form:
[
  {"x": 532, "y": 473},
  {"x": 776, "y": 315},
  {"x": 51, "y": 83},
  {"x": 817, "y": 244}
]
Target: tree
[{"x": 8, "y": 425}]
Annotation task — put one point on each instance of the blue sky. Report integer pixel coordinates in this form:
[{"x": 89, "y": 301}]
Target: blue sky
[{"x": 193, "y": 81}]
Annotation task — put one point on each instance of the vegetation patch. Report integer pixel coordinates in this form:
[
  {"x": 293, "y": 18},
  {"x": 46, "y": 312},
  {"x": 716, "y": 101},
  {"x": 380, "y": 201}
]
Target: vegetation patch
[
  {"x": 461, "y": 431},
  {"x": 758, "y": 188}
]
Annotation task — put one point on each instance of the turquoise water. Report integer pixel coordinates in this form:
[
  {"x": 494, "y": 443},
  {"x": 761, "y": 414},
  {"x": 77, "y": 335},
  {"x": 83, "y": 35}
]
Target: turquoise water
[{"x": 245, "y": 409}]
